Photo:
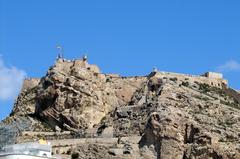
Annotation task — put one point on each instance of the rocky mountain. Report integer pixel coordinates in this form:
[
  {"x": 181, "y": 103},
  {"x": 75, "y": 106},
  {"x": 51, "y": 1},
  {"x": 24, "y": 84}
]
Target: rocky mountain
[{"x": 88, "y": 114}]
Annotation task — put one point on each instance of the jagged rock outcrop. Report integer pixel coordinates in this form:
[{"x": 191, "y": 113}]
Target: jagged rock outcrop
[
  {"x": 76, "y": 95},
  {"x": 161, "y": 115}
]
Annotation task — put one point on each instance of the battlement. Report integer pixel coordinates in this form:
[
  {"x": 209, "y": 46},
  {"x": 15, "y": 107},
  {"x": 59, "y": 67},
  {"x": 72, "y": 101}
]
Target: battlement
[
  {"x": 213, "y": 75},
  {"x": 30, "y": 83},
  {"x": 211, "y": 78},
  {"x": 65, "y": 65}
]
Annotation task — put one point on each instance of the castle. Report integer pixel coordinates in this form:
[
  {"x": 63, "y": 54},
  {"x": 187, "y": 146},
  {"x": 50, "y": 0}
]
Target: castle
[{"x": 210, "y": 78}]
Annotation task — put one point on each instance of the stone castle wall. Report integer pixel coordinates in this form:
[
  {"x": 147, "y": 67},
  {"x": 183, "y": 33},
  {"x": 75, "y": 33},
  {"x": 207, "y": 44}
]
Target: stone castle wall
[
  {"x": 213, "y": 75},
  {"x": 30, "y": 83},
  {"x": 210, "y": 80}
]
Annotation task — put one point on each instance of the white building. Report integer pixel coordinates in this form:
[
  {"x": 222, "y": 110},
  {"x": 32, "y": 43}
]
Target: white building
[
  {"x": 213, "y": 75},
  {"x": 26, "y": 151}
]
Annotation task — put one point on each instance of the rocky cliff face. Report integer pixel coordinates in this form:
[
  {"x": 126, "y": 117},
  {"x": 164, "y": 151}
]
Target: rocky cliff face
[{"x": 161, "y": 115}]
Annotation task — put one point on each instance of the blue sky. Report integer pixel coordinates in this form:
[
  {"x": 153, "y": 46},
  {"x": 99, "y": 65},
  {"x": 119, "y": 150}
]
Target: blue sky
[{"x": 125, "y": 37}]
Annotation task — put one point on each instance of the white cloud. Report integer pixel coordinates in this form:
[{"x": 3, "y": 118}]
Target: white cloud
[
  {"x": 11, "y": 79},
  {"x": 231, "y": 65}
]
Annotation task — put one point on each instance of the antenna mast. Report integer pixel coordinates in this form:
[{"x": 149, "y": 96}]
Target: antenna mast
[{"x": 60, "y": 51}]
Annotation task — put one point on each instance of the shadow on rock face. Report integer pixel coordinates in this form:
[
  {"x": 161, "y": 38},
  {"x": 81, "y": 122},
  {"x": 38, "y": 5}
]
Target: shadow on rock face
[
  {"x": 150, "y": 143},
  {"x": 9, "y": 132},
  {"x": 161, "y": 139}
]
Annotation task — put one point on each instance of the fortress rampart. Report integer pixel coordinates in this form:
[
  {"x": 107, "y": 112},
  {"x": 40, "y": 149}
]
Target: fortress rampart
[
  {"x": 30, "y": 83},
  {"x": 210, "y": 78}
]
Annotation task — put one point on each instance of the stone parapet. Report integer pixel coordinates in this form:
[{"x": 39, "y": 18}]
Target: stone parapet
[{"x": 30, "y": 83}]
